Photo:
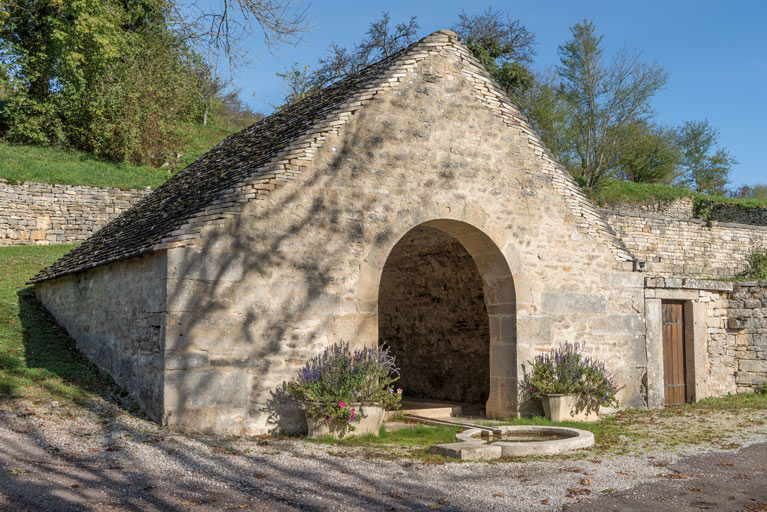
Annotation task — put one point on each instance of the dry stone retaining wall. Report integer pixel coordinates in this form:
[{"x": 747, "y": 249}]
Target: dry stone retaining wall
[
  {"x": 687, "y": 247},
  {"x": 41, "y": 214}
]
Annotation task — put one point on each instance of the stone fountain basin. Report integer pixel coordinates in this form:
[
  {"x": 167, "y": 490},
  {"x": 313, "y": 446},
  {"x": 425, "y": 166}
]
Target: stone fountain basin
[{"x": 472, "y": 446}]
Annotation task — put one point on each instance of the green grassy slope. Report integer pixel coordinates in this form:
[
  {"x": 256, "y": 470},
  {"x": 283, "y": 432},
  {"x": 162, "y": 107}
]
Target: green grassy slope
[
  {"x": 38, "y": 360},
  {"x": 614, "y": 191},
  {"x": 67, "y": 167}
]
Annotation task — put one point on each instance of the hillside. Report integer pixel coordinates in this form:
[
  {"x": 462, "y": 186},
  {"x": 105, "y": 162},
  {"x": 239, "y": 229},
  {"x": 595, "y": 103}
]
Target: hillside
[{"x": 68, "y": 167}]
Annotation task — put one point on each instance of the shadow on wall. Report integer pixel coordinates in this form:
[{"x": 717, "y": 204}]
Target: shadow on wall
[
  {"x": 47, "y": 346},
  {"x": 269, "y": 284}
]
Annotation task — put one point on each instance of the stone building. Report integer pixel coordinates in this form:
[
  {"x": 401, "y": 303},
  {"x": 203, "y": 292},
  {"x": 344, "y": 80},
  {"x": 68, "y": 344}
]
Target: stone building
[{"x": 409, "y": 204}]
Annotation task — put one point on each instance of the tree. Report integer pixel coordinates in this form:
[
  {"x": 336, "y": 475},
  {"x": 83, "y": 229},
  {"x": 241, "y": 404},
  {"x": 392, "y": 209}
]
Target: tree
[
  {"x": 603, "y": 100},
  {"x": 705, "y": 167},
  {"x": 380, "y": 41},
  {"x": 648, "y": 153},
  {"x": 750, "y": 192},
  {"x": 115, "y": 77},
  {"x": 504, "y": 46},
  {"x": 298, "y": 83},
  {"x": 223, "y": 25}
]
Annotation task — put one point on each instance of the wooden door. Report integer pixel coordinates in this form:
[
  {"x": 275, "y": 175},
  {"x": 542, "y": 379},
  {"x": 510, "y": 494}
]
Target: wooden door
[{"x": 674, "y": 367}]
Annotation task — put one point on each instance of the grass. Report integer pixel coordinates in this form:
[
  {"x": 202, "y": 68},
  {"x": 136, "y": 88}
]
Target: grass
[
  {"x": 69, "y": 167},
  {"x": 712, "y": 422},
  {"x": 614, "y": 191},
  {"x": 38, "y": 360},
  {"x": 415, "y": 436}
]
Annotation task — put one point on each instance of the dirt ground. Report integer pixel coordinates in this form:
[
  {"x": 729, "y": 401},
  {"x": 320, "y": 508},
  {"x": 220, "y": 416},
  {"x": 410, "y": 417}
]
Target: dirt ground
[{"x": 100, "y": 458}]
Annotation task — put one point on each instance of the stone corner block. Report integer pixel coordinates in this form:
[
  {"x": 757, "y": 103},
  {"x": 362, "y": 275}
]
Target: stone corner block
[{"x": 467, "y": 451}]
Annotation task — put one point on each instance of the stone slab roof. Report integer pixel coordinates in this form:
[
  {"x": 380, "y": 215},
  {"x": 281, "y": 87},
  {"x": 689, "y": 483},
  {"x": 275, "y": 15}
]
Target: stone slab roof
[{"x": 273, "y": 151}]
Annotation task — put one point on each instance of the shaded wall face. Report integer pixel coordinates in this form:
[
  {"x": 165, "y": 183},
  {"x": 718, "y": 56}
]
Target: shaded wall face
[
  {"x": 432, "y": 315},
  {"x": 114, "y": 312}
]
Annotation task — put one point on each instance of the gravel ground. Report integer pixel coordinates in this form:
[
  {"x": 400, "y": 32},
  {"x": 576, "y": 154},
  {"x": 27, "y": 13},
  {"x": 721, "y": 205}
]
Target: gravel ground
[{"x": 54, "y": 457}]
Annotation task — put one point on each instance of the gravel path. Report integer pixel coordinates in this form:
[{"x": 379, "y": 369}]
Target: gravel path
[{"x": 58, "y": 458}]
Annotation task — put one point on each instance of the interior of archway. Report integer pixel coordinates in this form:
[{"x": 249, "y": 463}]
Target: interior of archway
[{"x": 432, "y": 315}]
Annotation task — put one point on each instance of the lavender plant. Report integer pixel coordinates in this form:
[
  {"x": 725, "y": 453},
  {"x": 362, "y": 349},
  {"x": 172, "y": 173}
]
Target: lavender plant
[
  {"x": 566, "y": 370},
  {"x": 331, "y": 383}
]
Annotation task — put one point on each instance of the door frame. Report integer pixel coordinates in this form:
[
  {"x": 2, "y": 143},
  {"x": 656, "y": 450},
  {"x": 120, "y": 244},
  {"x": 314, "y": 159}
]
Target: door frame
[{"x": 696, "y": 351}]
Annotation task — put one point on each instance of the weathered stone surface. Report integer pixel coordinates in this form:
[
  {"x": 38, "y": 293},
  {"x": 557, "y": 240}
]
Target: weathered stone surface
[
  {"x": 260, "y": 280},
  {"x": 432, "y": 315},
  {"x": 112, "y": 313},
  {"x": 678, "y": 245},
  {"x": 468, "y": 451}
]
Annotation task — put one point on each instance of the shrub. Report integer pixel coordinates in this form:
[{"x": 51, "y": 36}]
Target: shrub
[
  {"x": 757, "y": 265},
  {"x": 565, "y": 370},
  {"x": 331, "y": 382}
]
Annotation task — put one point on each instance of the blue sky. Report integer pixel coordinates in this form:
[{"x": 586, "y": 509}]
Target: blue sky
[{"x": 716, "y": 53}]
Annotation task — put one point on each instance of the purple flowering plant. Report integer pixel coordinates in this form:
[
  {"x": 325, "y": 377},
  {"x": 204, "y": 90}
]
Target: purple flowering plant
[
  {"x": 566, "y": 370},
  {"x": 330, "y": 383}
]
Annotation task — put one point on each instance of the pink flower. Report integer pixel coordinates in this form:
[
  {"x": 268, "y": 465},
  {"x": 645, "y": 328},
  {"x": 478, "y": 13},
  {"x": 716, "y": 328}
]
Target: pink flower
[
  {"x": 399, "y": 390},
  {"x": 341, "y": 404}
]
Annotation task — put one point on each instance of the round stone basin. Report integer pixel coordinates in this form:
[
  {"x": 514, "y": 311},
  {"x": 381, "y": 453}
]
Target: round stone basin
[{"x": 515, "y": 441}]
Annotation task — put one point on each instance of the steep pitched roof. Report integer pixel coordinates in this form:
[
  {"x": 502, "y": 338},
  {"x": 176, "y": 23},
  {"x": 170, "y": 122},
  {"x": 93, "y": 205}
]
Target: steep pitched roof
[{"x": 277, "y": 148}]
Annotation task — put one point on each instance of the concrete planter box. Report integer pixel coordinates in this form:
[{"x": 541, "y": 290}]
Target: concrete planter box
[
  {"x": 370, "y": 421},
  {"x": 569, "y": 408}
]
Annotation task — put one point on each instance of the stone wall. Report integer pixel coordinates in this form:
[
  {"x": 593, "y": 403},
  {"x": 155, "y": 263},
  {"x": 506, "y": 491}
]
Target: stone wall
[
  {"x": 747, "y": 319},
  {"x": 115, "y": 315},
  {"x": 681, "y": 208},
  {"x": 431, "y": 313},
  {"x": 42, "y": 214},
  {"x": 738, "y": 214},
  {"x": 727, "y": 323},
  {"x": 687, "y": 247}
]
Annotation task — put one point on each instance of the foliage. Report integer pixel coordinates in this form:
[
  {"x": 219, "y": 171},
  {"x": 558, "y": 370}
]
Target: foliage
[
  {"x": 381, "y": 40},
  {"x": 611, "y": 191},
  {"x": 504, "y": 46},
  {"x": 333, "y": 381},
  {"x": 298, "y": 83},
  {"x": 38, "y": 359},
  {"x": 750, "y": 192},
  {"x": 603, "y": 100},
  {"x": 113, "y": 78},
  {"x": 757, "y": 265},
  {"x": 706, "y": 168},
  {"x": 648, "y": 153},
  {"x": 565, "y": 370}
]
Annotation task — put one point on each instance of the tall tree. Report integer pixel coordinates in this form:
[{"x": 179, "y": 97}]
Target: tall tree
[
  {"x": 648, "y": 153},
  {"x": 603, "y": 99},
  {"x": 706, "y": 167}
]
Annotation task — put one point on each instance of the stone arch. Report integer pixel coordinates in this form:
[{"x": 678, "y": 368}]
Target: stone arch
[{"x": 498, "y": 294}]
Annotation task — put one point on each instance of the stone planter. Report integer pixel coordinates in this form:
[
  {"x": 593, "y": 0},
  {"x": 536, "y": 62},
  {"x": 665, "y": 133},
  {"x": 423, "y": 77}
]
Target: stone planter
[
  {"x": 370, "y": 421},
  {"x": 569, "y": 408}
]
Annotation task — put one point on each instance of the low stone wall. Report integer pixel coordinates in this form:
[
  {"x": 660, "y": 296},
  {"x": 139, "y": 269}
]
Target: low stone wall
[
  {"x": 734, "y": 213},
  {"x": 687, "y": 247},
  {"x": 681, "y": 208},
  {"x": 41, "y": 214}
]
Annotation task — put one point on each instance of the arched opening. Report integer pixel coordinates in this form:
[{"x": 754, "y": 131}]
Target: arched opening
[{"x": 446, "y": 309}]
